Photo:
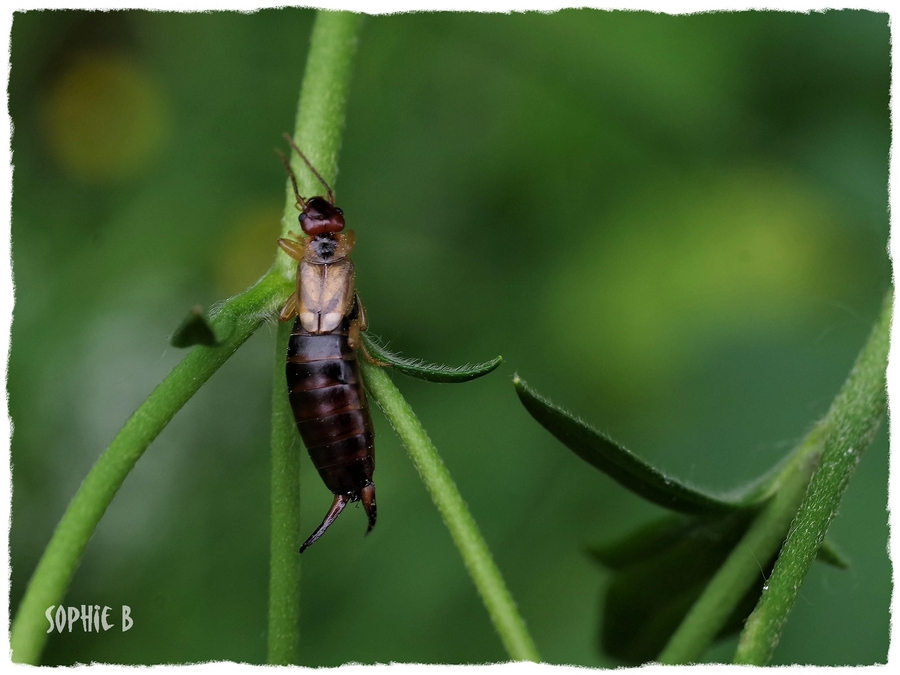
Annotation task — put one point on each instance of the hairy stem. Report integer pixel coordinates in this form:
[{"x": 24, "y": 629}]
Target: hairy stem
[
  {"x": 848, "y": 428},
  {"x": 238, "y": 317},
  {"x": 805, "y": 499},
  {"x": 284, "y": 566},
  {"x": 320, "y": 119},
  {"x": 742, "y": 567},
  {"x": 472, "y": 547}
]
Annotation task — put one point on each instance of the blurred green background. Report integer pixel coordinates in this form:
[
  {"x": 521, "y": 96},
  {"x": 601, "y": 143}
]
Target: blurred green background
[{"x": 673, "y": 226}]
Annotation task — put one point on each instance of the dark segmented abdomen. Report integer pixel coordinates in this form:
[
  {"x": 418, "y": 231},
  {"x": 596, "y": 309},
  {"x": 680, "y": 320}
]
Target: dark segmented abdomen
[{"x": 330, "y": 408}]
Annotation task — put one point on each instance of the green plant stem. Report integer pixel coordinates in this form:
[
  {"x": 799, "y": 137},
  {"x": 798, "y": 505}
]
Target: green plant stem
[
  {"x": 320, "y": 113},
  {"x": 806, "y": 497},
  {"x": 742, "y": 567},
  {"x": 284, "y": 579},
  {"x": 319, "y": 122},
  {"x": 238, "y": 317},
  {"x": 476, "y": 556},
  {"x": 848, "y": 429}
]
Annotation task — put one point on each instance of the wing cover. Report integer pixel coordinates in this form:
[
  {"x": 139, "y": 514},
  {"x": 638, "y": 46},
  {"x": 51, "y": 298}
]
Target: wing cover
[{"x": 325, "y": 295}]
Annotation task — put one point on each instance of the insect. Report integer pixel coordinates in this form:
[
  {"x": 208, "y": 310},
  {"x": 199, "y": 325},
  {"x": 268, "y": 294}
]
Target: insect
[{"x": 324, "y": 385}]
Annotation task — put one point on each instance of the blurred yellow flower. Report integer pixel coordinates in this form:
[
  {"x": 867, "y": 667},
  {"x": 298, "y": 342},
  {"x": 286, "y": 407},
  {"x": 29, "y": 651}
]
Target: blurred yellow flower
[
  {"x": 104, "y": 118},
  {"x": 687, "y": 264},
  {"x": 248, "y": 248}
]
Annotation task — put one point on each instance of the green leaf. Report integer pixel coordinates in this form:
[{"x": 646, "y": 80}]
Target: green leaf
[
  {"x": 622, "y": 465},
  {"x": 830, "y": 554},
  {"x": 660, "y": 571},
  {"x": 195, "y": 330},
  {"x": 428, "y": 371},
  {"x": 643, "y": 543}
]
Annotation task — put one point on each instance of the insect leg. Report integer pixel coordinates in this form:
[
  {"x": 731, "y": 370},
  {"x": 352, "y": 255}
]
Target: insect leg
[
  {"x": 362, "y": 324},
  {"x": 346, "y": 242},
  {"x": 292, "y": 248},
  {"x": 340, "y": 501},
  {"x": 363, "y": 321},
  {"x": 289, "y": 311},
  {"x": 371, "y": 359},
  {"x": 357, "y": 322}
]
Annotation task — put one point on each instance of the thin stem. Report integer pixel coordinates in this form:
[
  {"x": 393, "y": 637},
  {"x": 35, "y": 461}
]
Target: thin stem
[
  {"x": 476, "y": 556},
  {"x": 320, "y": 119},
  {"x": 320, "y": 113},
  {"x": 742, "y": 568},
  {"x": 284, "y": 580},
  {"x": 806, "y": 496},
  {"x": 235, "y": 321},
  {"x": 238, "y": 317},
  {"x": 849, "y": 427}
]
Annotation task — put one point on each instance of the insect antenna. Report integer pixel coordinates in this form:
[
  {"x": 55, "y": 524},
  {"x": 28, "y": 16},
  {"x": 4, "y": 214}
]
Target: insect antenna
[
  {"x": 287, "y": 165},
  {"x": 290, "y": 140}
]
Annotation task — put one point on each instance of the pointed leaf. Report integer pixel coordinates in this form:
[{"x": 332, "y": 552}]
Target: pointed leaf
[
  {"x": 660, "y": 570},
  {"x": 648, "y": 599},
  {"x": 194, "y": 330},
  {"x": 428, "y": 371},
  {"x": 619, "y": 463},
  {"x": 644, "y": 542},
  {"x": 830, "y": 554}
]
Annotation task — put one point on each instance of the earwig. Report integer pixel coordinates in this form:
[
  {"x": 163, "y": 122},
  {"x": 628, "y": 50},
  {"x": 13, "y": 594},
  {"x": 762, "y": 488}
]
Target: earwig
[{"x": 324, "y": 385}]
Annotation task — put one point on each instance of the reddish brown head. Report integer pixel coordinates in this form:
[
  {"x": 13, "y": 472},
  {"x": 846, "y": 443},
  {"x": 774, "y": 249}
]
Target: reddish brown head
[{"x": 320, "y": 216}]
